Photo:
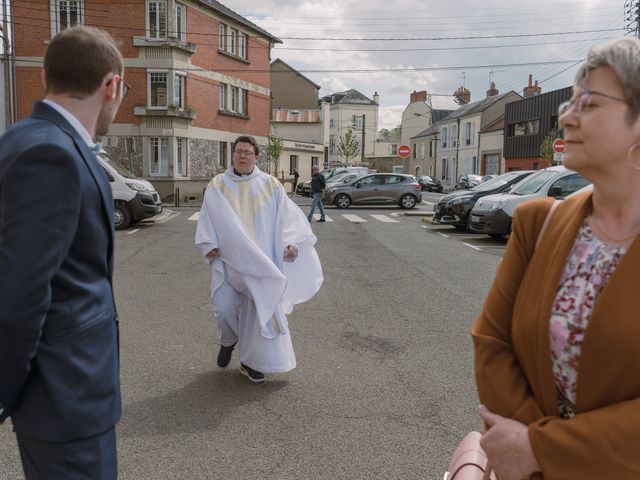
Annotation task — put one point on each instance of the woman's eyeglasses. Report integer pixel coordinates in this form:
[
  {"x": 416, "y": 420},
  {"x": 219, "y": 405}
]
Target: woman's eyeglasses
[{"x": 583, "y": 100}]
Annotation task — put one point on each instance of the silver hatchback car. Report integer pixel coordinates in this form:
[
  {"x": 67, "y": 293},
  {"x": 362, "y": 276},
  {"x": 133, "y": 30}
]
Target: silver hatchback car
[{"x": 377, "y": 189}]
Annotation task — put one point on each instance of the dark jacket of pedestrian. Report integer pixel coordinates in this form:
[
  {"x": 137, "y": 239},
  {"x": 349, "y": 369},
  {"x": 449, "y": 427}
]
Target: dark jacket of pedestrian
[{"x": 318, "y": 183}]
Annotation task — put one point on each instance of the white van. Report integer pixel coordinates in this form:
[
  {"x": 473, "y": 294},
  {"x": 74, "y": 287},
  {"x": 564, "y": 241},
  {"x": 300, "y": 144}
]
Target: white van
[
  {"x": 493, "y": 214},
  {"x": 133, "y": 199}
]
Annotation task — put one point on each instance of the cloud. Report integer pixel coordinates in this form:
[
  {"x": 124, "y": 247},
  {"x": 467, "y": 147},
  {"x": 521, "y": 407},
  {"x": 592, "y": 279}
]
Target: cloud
[{"x": 391, "y": 22}]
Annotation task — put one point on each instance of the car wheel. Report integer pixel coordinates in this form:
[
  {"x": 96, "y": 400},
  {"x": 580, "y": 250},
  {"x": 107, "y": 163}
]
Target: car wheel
[
  {"x": 342, "y": 201},
  {"x": 121, "y": 216},
  {"x": 408, "y": 201},
  {"x": 497, "y": 236}
]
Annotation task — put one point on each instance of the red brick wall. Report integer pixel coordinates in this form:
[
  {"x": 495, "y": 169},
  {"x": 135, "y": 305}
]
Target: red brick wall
[{"x": 123, "y": 20}]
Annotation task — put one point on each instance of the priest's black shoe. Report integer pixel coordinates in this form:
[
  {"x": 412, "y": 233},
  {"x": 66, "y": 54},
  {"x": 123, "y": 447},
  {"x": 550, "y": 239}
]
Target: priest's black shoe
[
  {"x": 224, "y": 355},
  {"x": 253, "y": 375}
]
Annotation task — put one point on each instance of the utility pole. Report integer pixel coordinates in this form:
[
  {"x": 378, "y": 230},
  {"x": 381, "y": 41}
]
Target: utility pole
[
  {"x": 6, "y": 66},
  {"x": 632, "y": 17},
  {"x": 363, "y": 137}
]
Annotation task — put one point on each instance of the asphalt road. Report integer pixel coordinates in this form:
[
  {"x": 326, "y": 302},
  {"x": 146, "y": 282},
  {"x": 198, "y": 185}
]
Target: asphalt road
[{"x": 384, "y": 386}]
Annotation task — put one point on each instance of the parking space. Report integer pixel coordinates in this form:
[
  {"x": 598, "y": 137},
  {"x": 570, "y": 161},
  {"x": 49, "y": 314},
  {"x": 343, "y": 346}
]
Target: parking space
[{"x": 474, "y": 241}]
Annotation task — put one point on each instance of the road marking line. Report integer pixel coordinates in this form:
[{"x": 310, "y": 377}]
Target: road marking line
[
  {"x": 195, "y": 216},
  {"x": 354, "y": 218},
  {"x": 442, "y": 234},
  {"x": 384, "y": 218},
  {"x": 172, "y": 214},
  {"x": 472, "y": 246},
  {"x": 133, "y": 231},
  {"x": 316, "y": 216}
]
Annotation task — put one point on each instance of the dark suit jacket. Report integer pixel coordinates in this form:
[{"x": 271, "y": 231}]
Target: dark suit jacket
[{"x": 59, "y": 364}]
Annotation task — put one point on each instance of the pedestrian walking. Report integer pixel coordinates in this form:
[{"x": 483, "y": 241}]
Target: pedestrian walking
[
  {"x": 296, "y": 175},
  {"x": 556, "y": 343},
  {"x": 263, "y": 262},
  {"x": 59, "y": 379},
  {"x": 318, "y": 185}
]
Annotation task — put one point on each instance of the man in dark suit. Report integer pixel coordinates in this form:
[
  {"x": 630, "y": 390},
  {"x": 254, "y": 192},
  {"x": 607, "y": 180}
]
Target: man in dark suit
[{"x": 59, "y": 366}]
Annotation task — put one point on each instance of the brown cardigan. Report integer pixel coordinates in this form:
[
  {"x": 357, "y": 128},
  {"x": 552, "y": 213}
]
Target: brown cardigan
[{"x": 513, "y": 357}]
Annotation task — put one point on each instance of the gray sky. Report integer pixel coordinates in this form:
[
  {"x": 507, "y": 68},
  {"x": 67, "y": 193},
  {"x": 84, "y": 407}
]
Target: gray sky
[{"x": 521, "y": 32}]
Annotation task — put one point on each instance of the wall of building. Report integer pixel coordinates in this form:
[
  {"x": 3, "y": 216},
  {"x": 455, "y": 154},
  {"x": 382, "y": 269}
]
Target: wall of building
[
  {"x": 290, "y": 89},
  {"x": 491, "y": 144}
]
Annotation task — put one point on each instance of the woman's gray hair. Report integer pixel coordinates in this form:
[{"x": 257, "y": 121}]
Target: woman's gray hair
[{"x": 623, "y": 57}]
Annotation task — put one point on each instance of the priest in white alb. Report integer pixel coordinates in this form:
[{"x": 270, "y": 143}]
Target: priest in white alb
[{"x": 263, "y": 262}]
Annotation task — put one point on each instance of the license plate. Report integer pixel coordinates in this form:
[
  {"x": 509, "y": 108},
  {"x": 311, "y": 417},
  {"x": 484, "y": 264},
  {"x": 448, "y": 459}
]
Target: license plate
[{"x": 475, "y": 218}]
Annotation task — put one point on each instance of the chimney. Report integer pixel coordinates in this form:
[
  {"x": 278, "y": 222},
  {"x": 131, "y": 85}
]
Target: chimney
[
  {"x": 376, "y": 98},
  {"x": 493, "y": 91},
  {"x": 531, "y": 90},
  {"x": 420, "y": 96},
  {"x": 462, "y": 95}
]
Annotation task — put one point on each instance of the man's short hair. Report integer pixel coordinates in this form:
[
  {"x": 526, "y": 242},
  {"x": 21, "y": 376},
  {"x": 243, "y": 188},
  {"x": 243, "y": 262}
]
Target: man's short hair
[
  {"x": 247, "y": 139},
  {"x": 77, "y": 60}
]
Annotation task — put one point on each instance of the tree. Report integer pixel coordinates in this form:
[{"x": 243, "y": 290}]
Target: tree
[
  {"x": 395, "y": 132},
  {"x": 274, "y": 149},
  {"x": 546, "y": 148},
  {"x": 348, "y": 145}
]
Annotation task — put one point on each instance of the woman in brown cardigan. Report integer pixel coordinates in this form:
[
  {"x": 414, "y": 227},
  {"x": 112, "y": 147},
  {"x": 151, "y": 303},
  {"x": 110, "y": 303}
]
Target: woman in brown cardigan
[{"x": 558, "y": 341}]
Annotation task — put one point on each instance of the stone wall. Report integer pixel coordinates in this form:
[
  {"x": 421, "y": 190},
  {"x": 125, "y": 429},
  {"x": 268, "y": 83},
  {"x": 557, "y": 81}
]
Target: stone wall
[
  {"x": 203, "y": 158},
  {"x": 128, "y": 152}
]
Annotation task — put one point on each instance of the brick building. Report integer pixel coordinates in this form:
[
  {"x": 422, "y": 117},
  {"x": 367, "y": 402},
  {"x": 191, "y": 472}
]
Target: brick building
[{"x": 199, "y": 74}]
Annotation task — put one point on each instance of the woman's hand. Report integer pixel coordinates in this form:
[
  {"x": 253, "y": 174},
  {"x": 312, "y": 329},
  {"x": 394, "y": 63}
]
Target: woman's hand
[
  {"x": 214, "y": 253},
  {"x": 507, "y": 446}
]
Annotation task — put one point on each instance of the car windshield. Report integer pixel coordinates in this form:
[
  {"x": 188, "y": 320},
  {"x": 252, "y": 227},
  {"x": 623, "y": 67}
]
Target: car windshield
[
  {"x": 496, "y": 182},
  {"x": 533, "y": 183},
  {"x": 116, "y": 166},
  {"x": 338, "y": 177}
]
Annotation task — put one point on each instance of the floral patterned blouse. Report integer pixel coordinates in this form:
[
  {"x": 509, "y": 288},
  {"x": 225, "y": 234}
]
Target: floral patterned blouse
[{"x": 590, "y": 265}]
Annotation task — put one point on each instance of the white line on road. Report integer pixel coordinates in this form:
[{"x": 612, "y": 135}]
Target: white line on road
[
  {"x": 133, "y": 231},
  {"x": 316, "y": 216},
  {"x": 472, "y": 246},
  {"x": 384, "y": 218},
  {"x": 443, "y": 234},
  {"x": 354, "y": 218},
  {"x": 194, "y": 216},
  {"x": 170, "y": 214}
]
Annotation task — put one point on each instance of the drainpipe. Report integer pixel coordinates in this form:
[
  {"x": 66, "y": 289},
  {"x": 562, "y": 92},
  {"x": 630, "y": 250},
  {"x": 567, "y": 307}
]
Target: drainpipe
[{"x": 457, "y": 151}]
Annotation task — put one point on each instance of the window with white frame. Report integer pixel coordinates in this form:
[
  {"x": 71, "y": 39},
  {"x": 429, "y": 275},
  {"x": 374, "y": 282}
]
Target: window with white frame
[
  {"x": 67, "y": 13},
  {"x": 158, "y": 88},
  {"x": 394, "y": 149},
  {"x": 415, "y": 150},
  {"x": 357, "y": 121},
  {"x": 233, "y": 41},
  {"x": 445, "y": 170},
  {"x": 159, "y": 156},
  {"x": 223, "y": 96},
  {"x": 222, "y": 37},
  {"x": 445, "y": 134},
  {"x": 467, "y": 133},
  {"x": 242, "y": 45},
  {"x": 454, "y": 135},
  {"x": 181, "y": 22},
  {"x": 181, "y": 157},
  {"x": 156, "y": 19},
  {"x": 178, "y": 90},
  {"x": 332, "y": 144},
  {"x": 233, "y": 105},
  {"x": 222, "y": 155}
]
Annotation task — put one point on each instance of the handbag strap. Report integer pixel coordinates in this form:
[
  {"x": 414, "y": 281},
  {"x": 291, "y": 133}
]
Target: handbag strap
[{"x": 546, "y": 221}]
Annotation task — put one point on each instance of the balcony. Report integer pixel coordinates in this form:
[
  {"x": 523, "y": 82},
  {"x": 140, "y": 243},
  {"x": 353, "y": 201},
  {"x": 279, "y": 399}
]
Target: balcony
[
  {"x": 171, "y": 111},
  {"x": 174, "y": 43}
]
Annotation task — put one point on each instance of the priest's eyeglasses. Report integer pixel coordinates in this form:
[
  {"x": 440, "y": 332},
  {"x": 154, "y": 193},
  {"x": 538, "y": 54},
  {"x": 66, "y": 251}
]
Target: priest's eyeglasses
[
  {"x": 582, "y": 101},
  {"x": 244, "y": 153}
]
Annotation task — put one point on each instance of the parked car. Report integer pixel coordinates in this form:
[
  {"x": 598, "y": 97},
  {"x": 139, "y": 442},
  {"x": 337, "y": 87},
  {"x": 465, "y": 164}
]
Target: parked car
[
  {"x": 304, "y": 188},
  {"x": 493, "y": 214},
  {"x": 468, "y": 180},
  {"x": 377, "y": 189},
  {"x": 133, "y": 198},
  {"x": 430, "y": 184},
  {"x": 486, "y": 178},
  {"x": 340, "y": 179},
  {"x": 453, "y": 208}
]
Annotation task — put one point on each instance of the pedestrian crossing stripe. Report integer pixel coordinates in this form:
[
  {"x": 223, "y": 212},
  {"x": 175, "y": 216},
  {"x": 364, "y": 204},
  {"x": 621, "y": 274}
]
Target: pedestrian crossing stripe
[
  {"x": 348, "y": 216},
  {"x": 384, "y": 218},
  {"x": 316, "y": 216},
  {"x": 353, "y": 218}
]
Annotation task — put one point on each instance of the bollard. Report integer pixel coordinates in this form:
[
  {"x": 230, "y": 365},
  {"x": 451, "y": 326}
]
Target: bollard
[{"x": 177, "y": 196}]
